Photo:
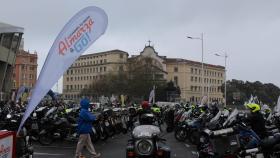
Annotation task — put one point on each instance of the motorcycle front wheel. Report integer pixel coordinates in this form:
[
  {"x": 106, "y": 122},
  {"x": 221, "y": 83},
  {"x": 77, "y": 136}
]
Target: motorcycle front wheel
[
  {"x": 181, "y": 135},
  {"x": 194, "y": 137},
  {"x": 46, "y": 139}
]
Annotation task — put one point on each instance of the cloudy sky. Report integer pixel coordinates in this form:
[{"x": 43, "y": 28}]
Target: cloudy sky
[{"x": 247, "y": 30}]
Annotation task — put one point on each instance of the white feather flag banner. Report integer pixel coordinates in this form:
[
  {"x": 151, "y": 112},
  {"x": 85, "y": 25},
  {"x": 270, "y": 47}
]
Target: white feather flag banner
[{"x": 76, "y": 36}]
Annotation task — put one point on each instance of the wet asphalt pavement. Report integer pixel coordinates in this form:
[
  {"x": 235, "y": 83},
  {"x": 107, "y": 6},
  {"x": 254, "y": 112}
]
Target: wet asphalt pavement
[{"x": 112, "y": 148}]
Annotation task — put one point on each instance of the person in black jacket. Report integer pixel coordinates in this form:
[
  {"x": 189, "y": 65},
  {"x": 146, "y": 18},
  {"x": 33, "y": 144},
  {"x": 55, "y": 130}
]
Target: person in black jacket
[
  {"x": 256, "y": 120},
  {"x": 145, "y": 119}
]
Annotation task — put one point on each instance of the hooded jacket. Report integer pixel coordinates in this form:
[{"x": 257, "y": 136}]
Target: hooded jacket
[{"x": 85, "y": 118}]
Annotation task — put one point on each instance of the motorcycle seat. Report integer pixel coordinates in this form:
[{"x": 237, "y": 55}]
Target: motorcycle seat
[
  {"x": 60, "y": 121},
  {"x": 269, "y": 128},
  {"x": 270, "y": 142}
]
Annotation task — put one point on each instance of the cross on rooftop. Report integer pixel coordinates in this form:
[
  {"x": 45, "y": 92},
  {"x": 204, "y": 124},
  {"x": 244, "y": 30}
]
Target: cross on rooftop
[{"x": 149, "y": 42}]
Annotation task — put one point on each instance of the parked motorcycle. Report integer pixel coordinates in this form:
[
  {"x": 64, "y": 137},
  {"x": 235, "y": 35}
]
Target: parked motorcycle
[
  {"x": 146, "y": 143},
  {"x": 248, "y": 143}
]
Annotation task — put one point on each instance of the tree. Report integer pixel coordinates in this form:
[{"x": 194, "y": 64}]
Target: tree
[
  {"x": 267, "y": 93},
  {"x": 172, "y": 91},
  {"x": 138, "y": 79}
]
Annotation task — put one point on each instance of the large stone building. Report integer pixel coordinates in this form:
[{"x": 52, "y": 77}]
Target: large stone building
[
  {"x": 25, "y": 70},
  {"x": 10, "y": 37},
  {"x": 188, "y": 76},
  {"x": 184, "y": 73},
  {"x": 90, "y": 67}
]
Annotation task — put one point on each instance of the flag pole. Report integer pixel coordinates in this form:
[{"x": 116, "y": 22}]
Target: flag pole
[{"x": 154, "y": 98}]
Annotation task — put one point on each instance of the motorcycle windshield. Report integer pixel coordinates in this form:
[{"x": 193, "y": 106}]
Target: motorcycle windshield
[
  {"x": 50, "y": 111},
  {"x": 226, "y": 113},
  {"x": 277, "y": 107},
  {"x": 269, "y": 118},
  {"x": 188, "y": 113},
  {"x": 231, "y": 118},
  {"x": 145, "y": 131},
  {"x": 216, "y": 118},
  {"x": 41, "y": 109}
]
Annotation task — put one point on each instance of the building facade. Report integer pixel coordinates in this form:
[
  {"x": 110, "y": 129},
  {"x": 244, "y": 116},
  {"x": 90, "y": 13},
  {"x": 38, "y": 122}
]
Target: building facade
[
  {"x": 10, "y": 37},
  {"x": 91, "y": 67},
  {"x": 25, "y": 70},
  {"x": 184, "y": 73},
  {"x": 193, "y": 85}
]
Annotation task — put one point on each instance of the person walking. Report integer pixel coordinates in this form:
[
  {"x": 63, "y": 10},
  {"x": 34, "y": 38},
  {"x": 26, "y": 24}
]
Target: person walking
[{"x": 84, "y": 128}]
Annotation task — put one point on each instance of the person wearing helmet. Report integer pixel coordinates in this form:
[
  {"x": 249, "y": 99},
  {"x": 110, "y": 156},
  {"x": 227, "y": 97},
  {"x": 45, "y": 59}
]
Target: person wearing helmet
[
  {"x": 213, "y": 109},
  {"x": 156, "y": 109},
  {"x": 256, "y": 120},
  {"x": 145, "y": 114},
  {"x": 145, "y": 106}
]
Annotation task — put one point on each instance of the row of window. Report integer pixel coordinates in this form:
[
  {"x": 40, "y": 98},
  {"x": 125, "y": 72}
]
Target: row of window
[
  {"x": 31, "y": 60},
  {"x": 86, "y": 70},
  {"x": 206, "y": 80},
  {"x": 72, "y": 96},
  {"x": 25, "y": 76},
  {"x": 206, "y": 72},
  {"x": 84, "y": 78},
  {"x": 95, "y": 62},
  {"x": 91, "y": 57},
  {"x": 76, "y": 87},
  {"x": 23, "y": 84},
  {"x": 206, "y": 89},
  {"x": 211, "y": 99},
  {"x": 25, "y": 67}
]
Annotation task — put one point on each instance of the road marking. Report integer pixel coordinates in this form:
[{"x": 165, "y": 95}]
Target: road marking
[
  {"x": 55, "y": 147},
  {"x": 195, "y": 153},
  {"x": 49, "y": 154},
  {"x": 187, "y": 145}
]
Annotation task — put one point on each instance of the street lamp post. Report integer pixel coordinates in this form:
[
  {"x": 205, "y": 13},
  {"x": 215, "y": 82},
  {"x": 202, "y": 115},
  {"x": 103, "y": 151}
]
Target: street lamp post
[
  {"x": 224, "y": 56},
  {"x": 208, "y": 93},
  {"x": 202, "y": 59}
]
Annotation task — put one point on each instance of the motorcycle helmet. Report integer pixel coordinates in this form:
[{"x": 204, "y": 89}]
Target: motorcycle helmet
[
  {"x": 203, "y": 108},
  {"x": 253, "y": 107},
  {"x": 145, "y": 105}
]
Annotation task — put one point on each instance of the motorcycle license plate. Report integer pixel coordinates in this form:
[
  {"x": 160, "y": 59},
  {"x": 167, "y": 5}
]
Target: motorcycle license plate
[
  {"x": 107, "y": 124},
  {"x": 34, "y": 126}
]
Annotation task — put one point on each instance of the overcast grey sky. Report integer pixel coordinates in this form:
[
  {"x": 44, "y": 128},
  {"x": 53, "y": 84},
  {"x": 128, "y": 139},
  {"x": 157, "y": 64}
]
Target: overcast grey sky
[{"x": 247, "y": 30}]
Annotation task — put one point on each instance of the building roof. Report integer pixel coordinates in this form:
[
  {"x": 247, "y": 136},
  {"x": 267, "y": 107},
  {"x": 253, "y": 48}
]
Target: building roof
[
  {"x": 26, "y": 53},
  {"x": 176, "y": 60},
  {"x": 105, "y": 52},
  {"x": 148, "y": 47},
  {"x": 7, "y": 28}
]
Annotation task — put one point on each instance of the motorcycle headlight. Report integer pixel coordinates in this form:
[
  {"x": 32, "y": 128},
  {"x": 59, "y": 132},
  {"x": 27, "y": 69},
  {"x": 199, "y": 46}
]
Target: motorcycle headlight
[
  {"x": 144, "y": 147},
  {"x": 34, "y": 114},
  {"x": 8, "y": 116}
]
